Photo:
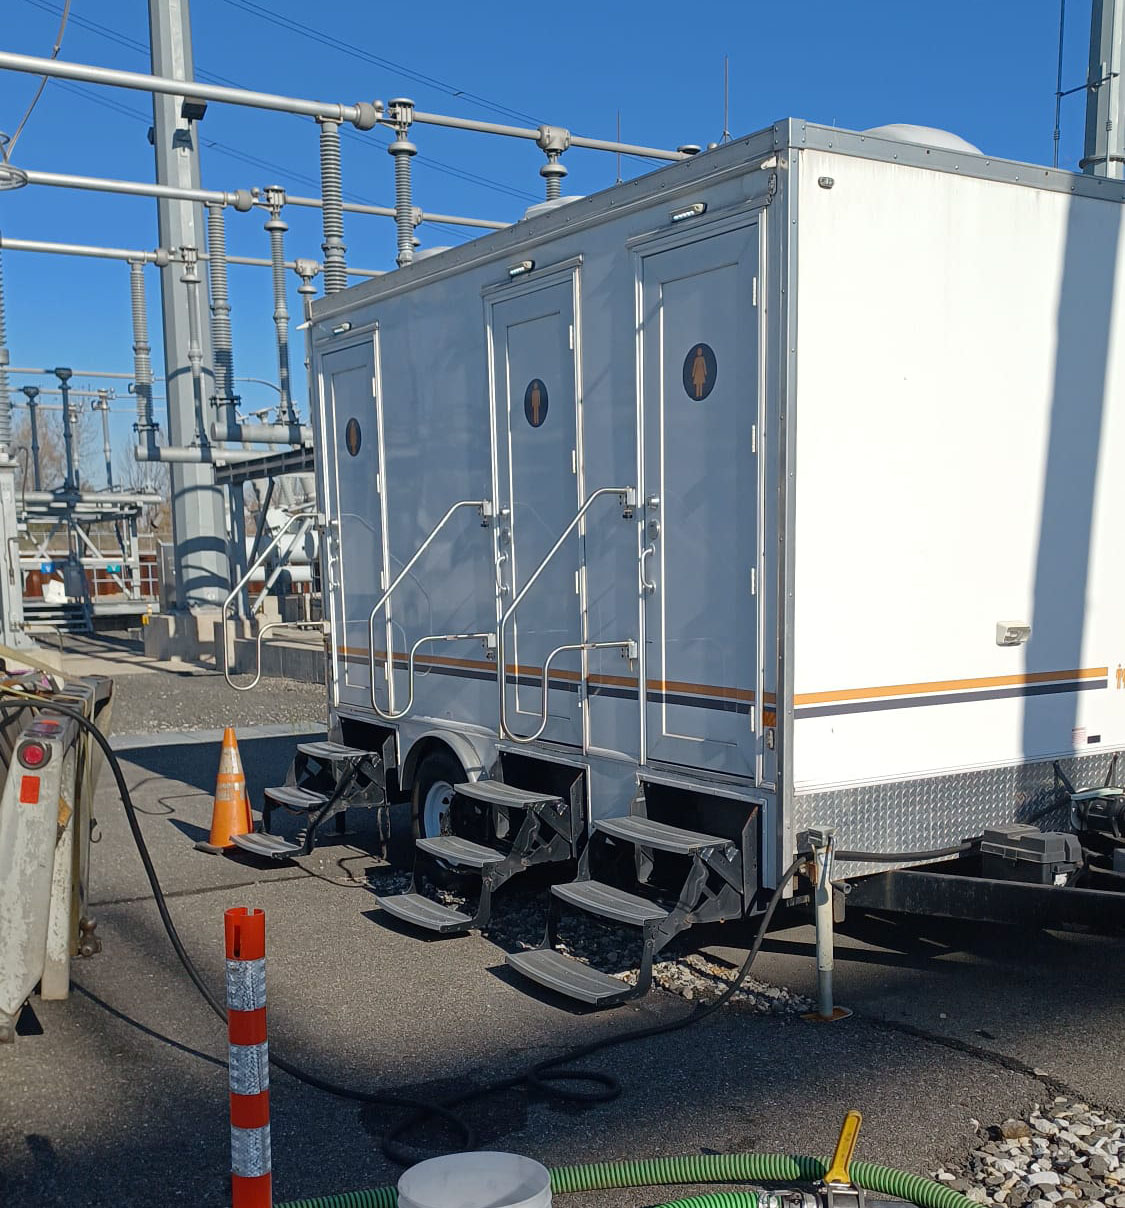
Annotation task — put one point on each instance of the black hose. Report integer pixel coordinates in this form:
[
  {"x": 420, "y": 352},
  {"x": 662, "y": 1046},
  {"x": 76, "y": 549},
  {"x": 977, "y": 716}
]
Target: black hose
[
  {"x": 543, "y": 1075},
  {"x": 908, "y": 857}
]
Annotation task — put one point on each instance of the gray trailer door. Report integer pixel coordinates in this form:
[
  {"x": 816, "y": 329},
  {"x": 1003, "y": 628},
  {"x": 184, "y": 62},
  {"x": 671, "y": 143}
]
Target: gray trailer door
[
  {"x": 355, "y": 477},
  {"x": 698, "y": 411},
  {"x": 534, "y": 418}
]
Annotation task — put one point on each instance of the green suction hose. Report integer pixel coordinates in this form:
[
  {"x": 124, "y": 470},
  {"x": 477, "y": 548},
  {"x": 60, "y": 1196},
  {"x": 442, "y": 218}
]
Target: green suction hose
[{"x": 700, "y": 1168}]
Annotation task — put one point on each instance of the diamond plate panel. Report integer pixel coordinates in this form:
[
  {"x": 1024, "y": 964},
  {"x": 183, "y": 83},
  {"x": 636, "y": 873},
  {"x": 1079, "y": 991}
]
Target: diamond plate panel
[{"x": 939, "y": 811}]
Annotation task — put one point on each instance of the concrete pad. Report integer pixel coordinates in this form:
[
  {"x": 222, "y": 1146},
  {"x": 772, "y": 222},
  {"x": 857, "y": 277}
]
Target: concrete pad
[{"x": 122, "y": 1097}]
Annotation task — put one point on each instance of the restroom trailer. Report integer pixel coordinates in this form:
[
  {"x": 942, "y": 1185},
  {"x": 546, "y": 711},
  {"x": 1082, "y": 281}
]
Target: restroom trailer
[{"x": 771, "y": 491}]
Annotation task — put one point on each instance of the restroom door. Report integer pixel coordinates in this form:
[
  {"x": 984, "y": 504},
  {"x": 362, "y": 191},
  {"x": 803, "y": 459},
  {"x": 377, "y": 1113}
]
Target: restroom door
[
  {"x": 534, "y": 401},
  {"x": 699, "y": 381}
]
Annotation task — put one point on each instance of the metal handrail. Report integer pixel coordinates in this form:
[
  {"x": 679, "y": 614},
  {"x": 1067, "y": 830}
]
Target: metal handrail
[
  {"x": 484, "y": 506},
  {"x": 258, "y": 647},
  {"x": 223, "y": 618},
  {"x": 628, "y": 649},
  {"x": 488, "y": 638},
  {"x": 628, "y": 496}
]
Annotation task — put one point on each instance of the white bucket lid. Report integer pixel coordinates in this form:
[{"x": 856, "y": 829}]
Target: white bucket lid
[{"x": 476, "y": 1180}]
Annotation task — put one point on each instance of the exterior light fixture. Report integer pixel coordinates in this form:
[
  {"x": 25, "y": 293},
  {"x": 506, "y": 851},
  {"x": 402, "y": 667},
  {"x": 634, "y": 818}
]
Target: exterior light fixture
[
  {"x": 692, "y": 211},
  {"x": 518, "y": 270}
]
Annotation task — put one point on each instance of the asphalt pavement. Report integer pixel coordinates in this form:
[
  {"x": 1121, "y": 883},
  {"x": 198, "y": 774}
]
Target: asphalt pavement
[{"x": 118, "y": 1096}]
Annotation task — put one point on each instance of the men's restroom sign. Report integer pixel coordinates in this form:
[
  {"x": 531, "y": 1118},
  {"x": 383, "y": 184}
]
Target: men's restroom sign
[
  {"x": 353, "y": 437},
  {"x": 700, "y": 371},
  {"x": 535, "y": 402}
]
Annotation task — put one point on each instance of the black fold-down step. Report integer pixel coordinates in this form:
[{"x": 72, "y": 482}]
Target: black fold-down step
[
  {"x": 657, "y": 835},
  {"x": 273, "y": 846},
  {"x": 293, "y": 798},
  {"x": 496, "y": 792},
  {"x": 570, "y": 977},
  {"x": 328, "y": 750},
  {"x": 422, "y": 912},
  {"x": 460, "y": 852},
  {"x": 595, "y": 897}
]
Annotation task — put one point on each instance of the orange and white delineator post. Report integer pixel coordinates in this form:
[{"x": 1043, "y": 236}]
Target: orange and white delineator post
[{"x": 251, "y": 1180}]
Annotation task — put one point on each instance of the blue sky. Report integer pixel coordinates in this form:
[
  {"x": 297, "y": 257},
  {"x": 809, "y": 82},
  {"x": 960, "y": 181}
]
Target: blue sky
[{"x": 984, "y": 71}]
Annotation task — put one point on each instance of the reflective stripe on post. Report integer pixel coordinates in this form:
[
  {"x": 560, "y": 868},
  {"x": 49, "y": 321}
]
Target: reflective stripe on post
[{"x": 251, "y": 1181}]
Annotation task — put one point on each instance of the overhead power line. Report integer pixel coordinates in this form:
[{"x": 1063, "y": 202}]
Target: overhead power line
[
  {"x": 421, "y": 161},
  {"x": 356, "y": 52},
  {"x": 10, "y": 144}
]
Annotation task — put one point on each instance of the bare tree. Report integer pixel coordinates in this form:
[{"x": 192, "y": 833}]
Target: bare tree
[{"x": 152, "y": 477}]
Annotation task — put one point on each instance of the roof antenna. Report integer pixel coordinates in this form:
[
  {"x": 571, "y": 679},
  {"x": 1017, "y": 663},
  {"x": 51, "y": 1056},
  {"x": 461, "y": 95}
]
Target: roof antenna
[
  {"x": 726, "y": 136},
  {"x": 1059, "y": 94}
]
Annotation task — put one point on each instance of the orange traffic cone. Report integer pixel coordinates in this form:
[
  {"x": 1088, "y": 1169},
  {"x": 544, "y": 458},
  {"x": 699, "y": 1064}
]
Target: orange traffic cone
[{"x": 231, "y": 812}]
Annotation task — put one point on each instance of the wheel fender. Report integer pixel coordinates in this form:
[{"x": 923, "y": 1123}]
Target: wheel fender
[{"x": 476, "y": 753}]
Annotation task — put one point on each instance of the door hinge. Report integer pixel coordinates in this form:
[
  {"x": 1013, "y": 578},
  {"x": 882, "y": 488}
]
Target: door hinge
[
  {"x": 754, "y": 291},
  {"x": 574, "y": 461},
  {"x": 754, "y": 718},
  {"x": 753, "y": 581},
  {"x": 570, "y": 336},
  {"x": 378, "y": 485},
  {"x": 753, "y": 438}
]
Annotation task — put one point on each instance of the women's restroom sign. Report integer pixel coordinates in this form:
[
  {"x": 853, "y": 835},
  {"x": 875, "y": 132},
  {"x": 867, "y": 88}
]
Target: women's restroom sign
[{"x": 700, "y": 371}]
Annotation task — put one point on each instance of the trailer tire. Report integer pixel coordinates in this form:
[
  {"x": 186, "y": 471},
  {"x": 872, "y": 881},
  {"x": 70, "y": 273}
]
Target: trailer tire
[{"x": 432, "y": 791}]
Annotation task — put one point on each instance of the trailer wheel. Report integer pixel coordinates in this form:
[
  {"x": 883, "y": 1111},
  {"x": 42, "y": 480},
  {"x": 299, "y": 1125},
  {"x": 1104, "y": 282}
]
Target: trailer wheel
[{"x": 432, "y": 792}]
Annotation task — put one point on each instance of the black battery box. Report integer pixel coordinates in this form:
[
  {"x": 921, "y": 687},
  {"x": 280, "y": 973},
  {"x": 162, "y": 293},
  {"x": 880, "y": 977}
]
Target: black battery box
[{"x": 1020, "y": 852}]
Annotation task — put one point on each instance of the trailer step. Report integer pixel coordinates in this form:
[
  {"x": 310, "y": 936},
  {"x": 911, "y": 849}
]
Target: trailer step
[
  {"x": 303, "y": 801},
  {"x": 332, "y": 752},
  {"x": 570, "y": 977},
  {"x": 461, "y": 853},
  {"x": 496, "y": 792},
  {"x": 595, "y": 897},
  {"x": 422, "y": 912},
  {"x": 643, "y": 832},
  {"x": 273, "y": 846}
]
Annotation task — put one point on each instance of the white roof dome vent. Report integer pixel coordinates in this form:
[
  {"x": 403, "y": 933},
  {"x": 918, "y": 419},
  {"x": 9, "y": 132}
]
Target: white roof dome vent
[
  {"x": 924, "y": 136},
  {"x": 545, "y": 207}
]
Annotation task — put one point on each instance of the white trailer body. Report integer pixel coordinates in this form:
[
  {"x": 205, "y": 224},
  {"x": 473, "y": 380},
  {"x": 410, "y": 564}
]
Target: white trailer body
[{"x": 860, "y": 393}]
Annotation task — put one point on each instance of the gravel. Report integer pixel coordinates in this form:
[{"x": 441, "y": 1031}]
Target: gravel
[
  {"x": 519, "y": 923},
  {"x": 143, "y": 703},
  {"x": 1063, "y": 1154}
]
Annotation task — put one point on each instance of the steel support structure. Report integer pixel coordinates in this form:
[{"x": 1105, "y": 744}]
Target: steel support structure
[
  {"x": 11, "y": 584},
  {"x": 1104, "y": 148},
  {"x": 199, "y": 512}
]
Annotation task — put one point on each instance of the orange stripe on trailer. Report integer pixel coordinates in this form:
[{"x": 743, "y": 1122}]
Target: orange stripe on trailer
[
  {"x": 557, "y": 673},
  {"x": 251, "y": 1192},
  {"x": 921, "y": 689},
  {"x": 250, "y": 1111},
  {"x": 247, "y": 1027}
]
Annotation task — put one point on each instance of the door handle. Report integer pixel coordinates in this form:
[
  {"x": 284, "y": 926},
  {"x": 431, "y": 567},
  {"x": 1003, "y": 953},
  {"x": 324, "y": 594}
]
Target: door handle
[
  {"x": 501, "y": 586},
  {"x": 647, "y": 587}
]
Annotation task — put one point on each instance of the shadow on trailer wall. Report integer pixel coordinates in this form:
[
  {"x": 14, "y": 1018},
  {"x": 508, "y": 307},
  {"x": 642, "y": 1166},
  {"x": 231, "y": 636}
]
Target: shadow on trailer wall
[{"x": 1074, "y": 463}]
